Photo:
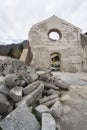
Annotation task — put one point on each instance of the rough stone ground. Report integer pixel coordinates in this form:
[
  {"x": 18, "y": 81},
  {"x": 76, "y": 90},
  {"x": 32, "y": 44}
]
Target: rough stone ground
[
  {"x": 56, "y": 96},
  {"x": 72, "y": 78}
]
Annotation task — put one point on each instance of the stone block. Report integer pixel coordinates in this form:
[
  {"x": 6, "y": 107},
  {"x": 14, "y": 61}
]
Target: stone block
[
  {"x": 28, "y": 89},
  {"x": 4, "y": 104},
  {"x": 56, "y": 109},
  {"x": 50, "y": 100},
  {"x": 61, "y": 84},
  {"x": 20, "y": 119},
  {"x": 11, "y": 80},
  {"x": 33, "y": 96},
  {"x": 3, "y": 88},
  {"x": 50, "y": 86},
  {"x": 42, "y": 109},
  {"x": 16, "y": 94},
  {"x": 46, "y": 99},
  {"x": 48, "y": 122}
]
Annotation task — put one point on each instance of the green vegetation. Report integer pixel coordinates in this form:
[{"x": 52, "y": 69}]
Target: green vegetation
[{"x": 15, "y": 52}]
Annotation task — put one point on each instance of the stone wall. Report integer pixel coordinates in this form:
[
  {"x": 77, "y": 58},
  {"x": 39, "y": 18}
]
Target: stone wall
[{"x": 68, "y": 45}]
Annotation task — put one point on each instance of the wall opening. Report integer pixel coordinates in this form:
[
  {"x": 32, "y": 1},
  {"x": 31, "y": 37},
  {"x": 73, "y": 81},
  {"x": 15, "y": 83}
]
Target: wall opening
[
  {"x": 54, "y": 35},
  {"x": 55, "y": 61}
]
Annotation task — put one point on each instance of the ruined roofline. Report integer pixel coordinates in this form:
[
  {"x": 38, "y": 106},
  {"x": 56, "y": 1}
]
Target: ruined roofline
[{"x": 60, "y": 19}]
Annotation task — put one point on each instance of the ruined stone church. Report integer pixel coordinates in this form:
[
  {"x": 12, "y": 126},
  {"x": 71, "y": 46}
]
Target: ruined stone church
[{"x": 65, "y": 51}]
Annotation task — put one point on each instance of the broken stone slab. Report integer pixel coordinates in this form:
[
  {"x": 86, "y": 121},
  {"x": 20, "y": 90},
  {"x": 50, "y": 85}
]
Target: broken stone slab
[
  {"x": 11, "y": 80},
  {"x": 50, "y": 86},
  {"x": 40, "y": 73},
  {"x": 4, "y": 103},
  {"x": 16, "y": 94},
  {"x": 20, "y": 119},
  {"x": 56, "y": 109},
  {"x": 45, "y": 78},
  {"x": 46, "y": 99},
  {"x": 28, "y": 89},
  {"x": 33, "y": 96},
  {"x": 49, "y": 101},
  {"x": 41, "y": 109},
  {"x": 52, "y": 92},
  {"x": 61, "y": 84},
  {"x": 32, "y": 77},
  {"x": 48, "y": 122},
  {"x": 3, "y": 88}
]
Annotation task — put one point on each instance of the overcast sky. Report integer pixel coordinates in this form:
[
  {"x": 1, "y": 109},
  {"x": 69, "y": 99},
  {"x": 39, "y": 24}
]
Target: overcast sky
[{"x": 17, "y": 16}]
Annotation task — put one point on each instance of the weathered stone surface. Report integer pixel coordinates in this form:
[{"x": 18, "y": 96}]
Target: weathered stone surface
[
  {"x": 46, "y": 99},
  {"x": 74, "y": 116},
  {"x": 16, "y": 94},
  {"x": 42, "y": 109},
  {"x": 65, "y": 97},
  {"x": 4, "y": 104},
  {"x": 20, "y": 119},
  {"x": 11, "y": 80},
  {"x": 28, "y": 89},
  {"x": 0, "y": 117},
  {"x": 33, "y": 96},
  {"x": 33, "y": 77},
  {"x": 40, "y": 73},
  {"x": 61, "y": 84},
  {"x": 50, "y": 100},
  {"x": 3, "y": 88},
  {"x": 48, "y": 122},
  {"x": 45, "y": 78},
  {"x": 69, "y": 48},
  {"x": 56, "y": 109},
  {"x": 50, "y": 86},
  {"x": 72, "y": 78},
  {"x": 52, "y": 92}
]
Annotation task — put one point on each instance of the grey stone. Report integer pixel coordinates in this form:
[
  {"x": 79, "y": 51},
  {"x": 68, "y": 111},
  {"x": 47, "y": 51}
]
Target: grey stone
[
  {"x": 50, "y": 86},
  {"x": 61, "y": 84},
  {"x": 46, "y": 99},
  {"x": 28, "y": 89},
  {"x": 4, "y": 104},
  {"x": 42, "y": 109},
  {"x": 11, "y": 80},
  {"x": 45, "y": 78},
  {"x": 41, "y": 72},
  {"x": 50, "y": 100},
  {"x": 16, "y": 94},
  {"x": 20, "y": 119},
  {"x": 33, "y": 96},
  {"x": 0, "y": 117},
  {"x": 33, "y": 77},
  {"x": 56, "y": 109},
  {"x": 3, "y": 88},
  {"x": 52, "y": 92},
  {"x": 48, "y": 122}
]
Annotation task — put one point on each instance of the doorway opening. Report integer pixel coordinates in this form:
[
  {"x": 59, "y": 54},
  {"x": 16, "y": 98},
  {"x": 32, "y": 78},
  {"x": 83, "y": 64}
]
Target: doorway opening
[{"x": 55, "y": 61}]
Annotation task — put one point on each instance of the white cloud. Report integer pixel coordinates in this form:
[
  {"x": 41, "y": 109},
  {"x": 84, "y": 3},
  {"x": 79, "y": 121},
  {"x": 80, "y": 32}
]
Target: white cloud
[{"x": 17, "y": 16}]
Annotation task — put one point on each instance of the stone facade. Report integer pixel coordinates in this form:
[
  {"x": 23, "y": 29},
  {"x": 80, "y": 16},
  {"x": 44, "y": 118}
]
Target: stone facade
[{"x": 69, "y": 49}]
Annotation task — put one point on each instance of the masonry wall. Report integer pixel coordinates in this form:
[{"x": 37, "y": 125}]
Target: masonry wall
[{"x": 69, "y": 44}]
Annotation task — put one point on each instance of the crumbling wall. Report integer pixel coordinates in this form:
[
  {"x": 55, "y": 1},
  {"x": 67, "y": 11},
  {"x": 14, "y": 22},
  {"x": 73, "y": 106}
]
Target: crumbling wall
[{"x": 68, "y": 45}]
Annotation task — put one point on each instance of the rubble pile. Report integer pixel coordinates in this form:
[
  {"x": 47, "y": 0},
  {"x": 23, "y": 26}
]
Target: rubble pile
[{"x": 30, "y": 99}]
